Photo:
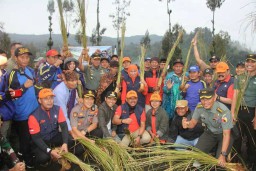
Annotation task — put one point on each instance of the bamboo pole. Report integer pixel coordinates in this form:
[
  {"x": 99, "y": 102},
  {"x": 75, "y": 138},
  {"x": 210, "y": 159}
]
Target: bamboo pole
[
  {"x": 118, "y": 81},
  {"x": 170, "y": 57},
  {"x": 142, "y": 66}
]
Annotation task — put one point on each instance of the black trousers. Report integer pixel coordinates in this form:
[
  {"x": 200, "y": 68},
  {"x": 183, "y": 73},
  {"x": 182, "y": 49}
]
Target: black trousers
[
  {"x": 42, "y": 157},
  {"x": 96, "y": 133},
  {"x": 246, "y": 129},
  {"x": 207, "y": 141},
  {"x": 24, "y": 140}
]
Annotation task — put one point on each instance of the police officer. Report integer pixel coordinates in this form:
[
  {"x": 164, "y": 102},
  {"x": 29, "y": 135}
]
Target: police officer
[
  {"x": 84, "y": 118},
  {"x": 224, "y": 85},
  {"x": 218, "y": 121}
]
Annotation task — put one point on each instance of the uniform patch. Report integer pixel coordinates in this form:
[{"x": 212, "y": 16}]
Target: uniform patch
[
  {"x": 80, "y": 115},
  {"x": 1, "y": 97},
  {"x": 199, "y": 106},
  {"x": 74, "y": 114},
  {"x": 224, "y": 119},
  {"x": 42, "y": 121},
  {"x": 219, "y": 110}
]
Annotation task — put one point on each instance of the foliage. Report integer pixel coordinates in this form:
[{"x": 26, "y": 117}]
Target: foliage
[
  {"x": 145, "y": 40},
  {"x": 250, "y": 19},
  {"x": 96, "y": 39},
  {"x": 168, "y": 41},
  {"x": 50, "y": 7},
  {"x": 221, "y": 40},
  {"x": 5, "y": 41},
  {"x": 82, "y": 33},
  {"x": 213, "y": 4}
]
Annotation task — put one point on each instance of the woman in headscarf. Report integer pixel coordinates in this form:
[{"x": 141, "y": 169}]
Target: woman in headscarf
[{"x": 133, "y": 82}]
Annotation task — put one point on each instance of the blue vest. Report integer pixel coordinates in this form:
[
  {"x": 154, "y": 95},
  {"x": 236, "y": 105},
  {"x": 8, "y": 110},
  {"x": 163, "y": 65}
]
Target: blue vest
[
  {"x": 125, "y": 114},
  {"x": 222, "y": 89},
  {"x": 49, "y": 126},
  {"x": 136, "y": 86},
  {"x": 27, "y": 103}
]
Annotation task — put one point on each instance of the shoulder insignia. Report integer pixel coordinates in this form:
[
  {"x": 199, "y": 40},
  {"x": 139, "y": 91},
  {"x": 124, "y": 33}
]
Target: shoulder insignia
[
  {"x": 80, "y": 115},
  {"x": 199, "y": 105},
  {"x": 74, "y": 114},
  {"x": 219, "y": 110}
]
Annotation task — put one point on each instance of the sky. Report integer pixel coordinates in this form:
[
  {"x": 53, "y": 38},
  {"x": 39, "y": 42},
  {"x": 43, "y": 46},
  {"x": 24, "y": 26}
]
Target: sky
[{"x": 31, "y": 17}]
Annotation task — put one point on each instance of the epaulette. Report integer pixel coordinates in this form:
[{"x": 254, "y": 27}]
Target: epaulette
[
  {"x": 199, "y": 105},
  {"x": 219, "y": 110}
]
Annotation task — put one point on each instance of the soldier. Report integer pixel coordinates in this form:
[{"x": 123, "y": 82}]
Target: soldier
[
  {"x": 247, "y": 110},
  {"x": 93, "y": 72},
  {"x": 218, "y": 121}
]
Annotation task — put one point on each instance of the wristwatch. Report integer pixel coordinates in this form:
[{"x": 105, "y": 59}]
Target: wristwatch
[{"x": 224, "y": 153}]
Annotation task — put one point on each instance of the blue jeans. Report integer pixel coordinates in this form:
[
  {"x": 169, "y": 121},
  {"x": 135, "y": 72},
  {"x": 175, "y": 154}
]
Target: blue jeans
[{"x": 183, "y": 141}]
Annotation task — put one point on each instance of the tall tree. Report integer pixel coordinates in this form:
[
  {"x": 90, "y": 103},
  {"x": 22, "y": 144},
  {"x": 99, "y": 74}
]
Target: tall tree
[
  {"x": 97, "y": 31},
  {"x": 50, "y": 7},
  {"x": 222, "y": 40},
  {"x": 168, "y": 41},
  {"x": 145, "y": 40},
  {"x": 5, "y": 41},
  {"x": 213, "y": 5},
  {"x": 120, "y": 16},
  {"x": 68, "y": 9}
]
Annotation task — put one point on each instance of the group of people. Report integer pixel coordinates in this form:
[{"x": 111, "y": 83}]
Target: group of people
[{"x": 62, "y": 99}]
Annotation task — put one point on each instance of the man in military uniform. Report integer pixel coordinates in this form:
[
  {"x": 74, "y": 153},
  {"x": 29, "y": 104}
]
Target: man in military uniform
[
  {"x": 84, "y": 118},
  {"x": 92, "y": 72},
  {"x": 246, "y": 115},
  {"x": 218, "y": 121}
]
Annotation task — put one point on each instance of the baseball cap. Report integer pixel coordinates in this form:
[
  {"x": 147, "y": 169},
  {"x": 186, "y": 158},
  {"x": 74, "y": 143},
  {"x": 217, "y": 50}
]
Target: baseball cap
[
  {"x": 155, "y": 59},
  {"x": 21, "y": 51},
  {"x": 52, "y": 52},
  {"x": 147, "y": 59},
  {"x": 222, "y": 67},
  {"x": 193, "y": 68},
  {"x": 240, "y": 64},
  {"x": 131, "y": 93},
  {"x": 251, "y": 57},
  {"x": 206, "y": 93},
  {"x": 127, "y": 59},
  {"x": 178, "y": 61},
  {"x": 45, "y": 92},
  {"x": 214, "y": 58},
  {"x": 96, "y": 55},
  {"x": 181, "y": 103},
  {"x": 208, "y": 71},
  {"x": 156, "y": 97},
  {"x": 111, "y": 94},
  {"x": 114, "y": 64},
  {"x": 3, "y": 60},
  {"x": 89, "y": 93},
  {"x": 106, "y": 59}
]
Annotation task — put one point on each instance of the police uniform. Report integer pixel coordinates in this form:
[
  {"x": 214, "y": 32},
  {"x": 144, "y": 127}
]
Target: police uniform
[
  {"x": 82, "y": 118},
  {"x": 216, "y": 119}
]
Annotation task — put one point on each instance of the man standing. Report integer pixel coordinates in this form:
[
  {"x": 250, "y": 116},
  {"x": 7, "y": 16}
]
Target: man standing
[
  {"x": 171, "y": 92},
  {"x": 21, "y": 85},
  {"x": 147, "y": 63},
  {"x": 224, "y": 85},
  {"x": 12, "y": 61},
  {"x": 93, "y": 72},
  {"x": 151, "y": 78},
  {"x": 218, "y": 121},
  {"x": 49, "y": 72},
  {"x": 247, "y": 110}
]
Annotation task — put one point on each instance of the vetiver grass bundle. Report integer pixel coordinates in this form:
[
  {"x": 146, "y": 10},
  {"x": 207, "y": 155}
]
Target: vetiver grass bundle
[
  {"x": 118, "y": 81},
  {"x": 170, "y": 57},
  {"x": 119, "y": 154},
  {"x": 142, "y": 65},
  {"x": 179, "y": 159},
  {"x": 96, "y": 153},
  {"x": 72, "y": 158}
]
